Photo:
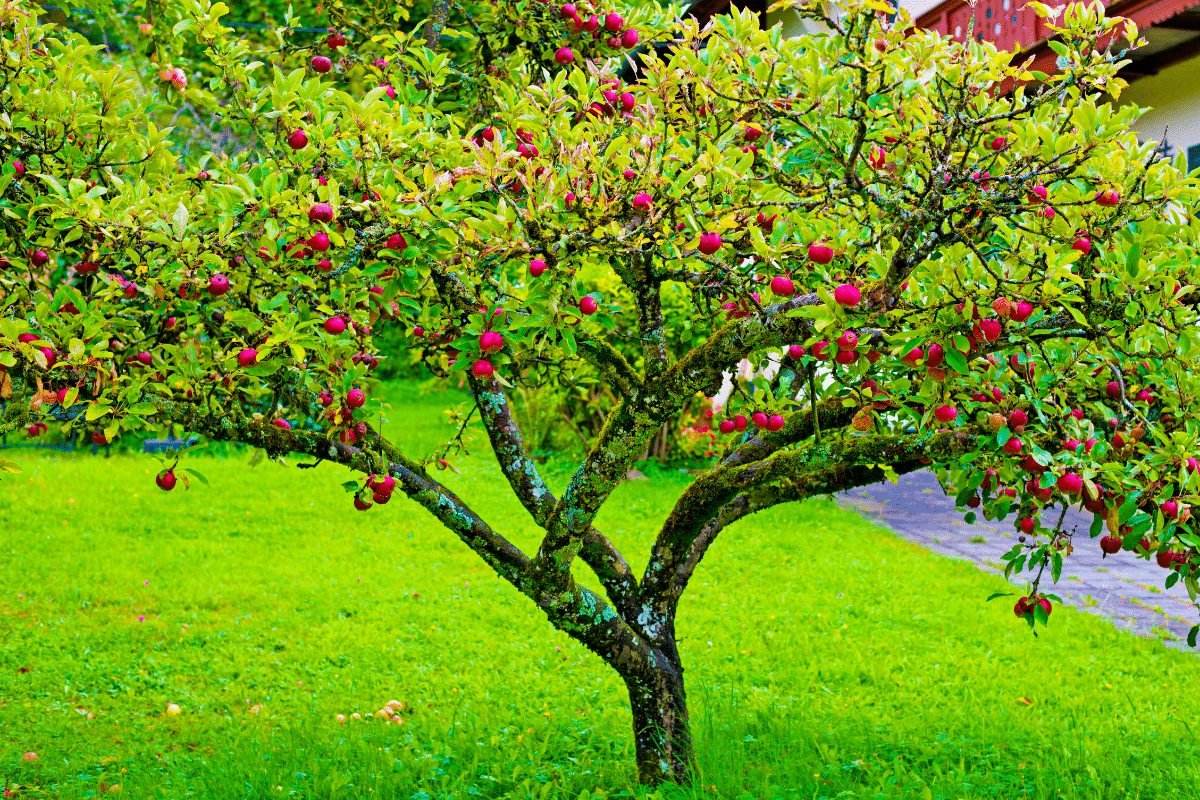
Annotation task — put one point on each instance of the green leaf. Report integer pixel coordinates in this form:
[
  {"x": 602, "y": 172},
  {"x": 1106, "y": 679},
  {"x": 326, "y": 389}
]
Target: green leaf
[
  {"x": 998, "y": 594},
  {"x": 181, "y": 221},
  {"x": 957, "y": 360},
  {"x": 1097, "y": 526},
  {"x": 96, "y": 411},
  {"x": 1129, "y": 508},
  {"x": 350, "y": 486},
  {"x": 55, "y": 185},
  {"x": 256, "y": 457},
  {"x": 263, "y": 370},
  {"x": 1191, "y": 637},
  {"x": 1132, "y": 256},
  {"x": 197, "y": 475},
  {"x": 1056, "y": 565},
  {"x": 142, "y": 409}
]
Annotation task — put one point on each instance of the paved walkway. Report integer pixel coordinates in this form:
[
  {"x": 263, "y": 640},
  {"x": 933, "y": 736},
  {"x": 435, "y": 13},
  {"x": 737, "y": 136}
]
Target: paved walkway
[{"x": 1126, "y": 589}]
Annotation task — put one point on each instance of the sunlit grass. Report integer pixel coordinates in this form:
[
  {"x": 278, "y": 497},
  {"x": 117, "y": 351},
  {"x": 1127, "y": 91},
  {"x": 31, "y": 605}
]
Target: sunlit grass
[{"x": 825, "y": 657}]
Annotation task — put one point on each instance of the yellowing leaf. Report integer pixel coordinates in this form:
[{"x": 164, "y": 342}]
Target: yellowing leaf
[{"x": 96, "y": 411}]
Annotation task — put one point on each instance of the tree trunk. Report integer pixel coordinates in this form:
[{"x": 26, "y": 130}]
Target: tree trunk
[{"x": 661, "y": 732}]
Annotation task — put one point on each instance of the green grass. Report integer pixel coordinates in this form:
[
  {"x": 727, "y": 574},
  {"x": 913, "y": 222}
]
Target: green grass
[{"x": 825, "y": 657}]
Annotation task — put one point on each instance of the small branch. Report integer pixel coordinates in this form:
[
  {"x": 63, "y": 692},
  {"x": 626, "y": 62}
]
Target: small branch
[{"x": 435, "y": 23}]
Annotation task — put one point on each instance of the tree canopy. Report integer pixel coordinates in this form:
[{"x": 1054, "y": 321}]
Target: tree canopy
[{"x": 946, "y": 260}]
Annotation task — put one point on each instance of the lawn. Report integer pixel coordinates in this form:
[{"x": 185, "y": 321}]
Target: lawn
[{"x": 826, "y": 657}]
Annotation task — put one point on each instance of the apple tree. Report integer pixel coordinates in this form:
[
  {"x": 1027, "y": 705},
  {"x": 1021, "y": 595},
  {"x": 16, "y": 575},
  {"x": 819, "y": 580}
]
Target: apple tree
[{"x": 952, "y": 262}]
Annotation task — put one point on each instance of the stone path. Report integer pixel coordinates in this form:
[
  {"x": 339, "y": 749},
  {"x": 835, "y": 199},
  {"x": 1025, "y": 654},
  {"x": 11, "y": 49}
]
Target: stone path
[{"x": 1122, "y": 587}]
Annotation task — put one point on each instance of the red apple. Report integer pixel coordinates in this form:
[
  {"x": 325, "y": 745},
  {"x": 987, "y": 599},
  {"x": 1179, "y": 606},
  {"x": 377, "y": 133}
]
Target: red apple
[
  {"x": 847, "y": 295},
  {"x": 321, "y": 212},
  {"x": 490, "y": 342},
  {"x": 945, "y": 413},
  {"x": 783, "y": 286},
  {"x": 1022, "y": 311},
  {"x": 820, "y": 253},
  {"x": 709, "y": 243},
  {"x": 1070, "y": 483}
]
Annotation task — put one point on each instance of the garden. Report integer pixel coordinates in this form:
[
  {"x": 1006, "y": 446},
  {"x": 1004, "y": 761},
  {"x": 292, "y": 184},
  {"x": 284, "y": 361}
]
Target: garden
[
  {"x": 270, "y": 614},
  {"x": 403, "y": 405}
]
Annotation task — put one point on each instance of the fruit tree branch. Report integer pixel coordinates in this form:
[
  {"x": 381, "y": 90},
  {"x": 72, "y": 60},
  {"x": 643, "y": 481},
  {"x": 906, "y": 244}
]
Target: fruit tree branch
[
  {"x": 796, "y": 475},
  {"x": 499, "y": 553},
  {"x": 638, "y": 416},
  {"x": 526, "y": 482},
  {"x": 694, "y": 509},
  {"x": 436, "y": 22},
  {"x": 577, "y": 610}
]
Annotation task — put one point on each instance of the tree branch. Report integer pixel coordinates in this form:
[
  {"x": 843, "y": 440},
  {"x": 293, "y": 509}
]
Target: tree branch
[
  {"x": 435, "y": 23},
  {"x": 651, "y": 327},
  {"x": 820, "y": 468},
  {"x": 638, "y": 416},
  {"x": 523, "y": 476},
  {"x": 610, "y": 360},
  {"x": 576, "y": 610},
  {"x": 696, "y": 507}
]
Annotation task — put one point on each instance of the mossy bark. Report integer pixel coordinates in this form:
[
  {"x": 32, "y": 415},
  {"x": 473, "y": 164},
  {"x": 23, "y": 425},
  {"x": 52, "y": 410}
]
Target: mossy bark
[
  {"x": 527, "y": 484},
  {"x": 661, "y": 728}
]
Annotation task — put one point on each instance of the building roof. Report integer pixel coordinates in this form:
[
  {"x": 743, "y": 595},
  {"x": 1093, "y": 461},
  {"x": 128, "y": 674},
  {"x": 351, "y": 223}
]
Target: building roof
[{"x": 1170, "y": 27}]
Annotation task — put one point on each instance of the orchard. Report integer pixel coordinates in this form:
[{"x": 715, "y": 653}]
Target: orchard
[{"x": 932, "y": 259}]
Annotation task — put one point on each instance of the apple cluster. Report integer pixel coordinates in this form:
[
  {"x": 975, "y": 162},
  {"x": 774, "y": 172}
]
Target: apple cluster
[{"x": 611, "y": 31}]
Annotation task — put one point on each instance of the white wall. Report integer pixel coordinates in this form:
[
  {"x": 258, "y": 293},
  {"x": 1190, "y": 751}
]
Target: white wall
[
  {"x": 916, "y": 8},
  {"x": 793, "y": 25},
  {"x": 1174, "y": 97}
]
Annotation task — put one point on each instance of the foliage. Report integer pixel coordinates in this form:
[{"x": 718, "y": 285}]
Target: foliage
[
  {"x": 269, "y": 589},
  {"x": 969, "y": 264}
]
